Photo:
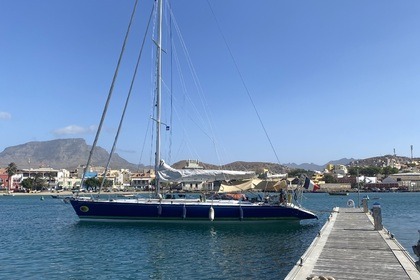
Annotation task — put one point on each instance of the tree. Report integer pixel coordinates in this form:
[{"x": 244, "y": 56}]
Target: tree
[
  {"x": 389, "y": 170},
  {"x": 39, "y": 182},
  {"x": 300, "y": 172},
  {"x": 366, "y": 171},
  {"x": 11, "y": 170},
  {"x": 28, "y": 183},
  {"x": 354, "y": 171},
  {"x": 50, "y": 176},
  {"x": 92, "y": 183},
  {"x": 329, "y": 178},
  {"x": 107, "y": 183},
  {"x": 36, "y": 183},
  {"x": 371, "y": 171}
]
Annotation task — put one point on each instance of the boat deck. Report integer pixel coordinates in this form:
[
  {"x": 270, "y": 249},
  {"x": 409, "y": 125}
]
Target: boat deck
[{"x": 348, "y": 247}]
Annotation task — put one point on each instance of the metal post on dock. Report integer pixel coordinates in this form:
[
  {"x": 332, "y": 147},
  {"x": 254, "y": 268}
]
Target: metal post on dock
[
  {"x": 365, "y": 205},
  {"x": 377, "y": 216}
]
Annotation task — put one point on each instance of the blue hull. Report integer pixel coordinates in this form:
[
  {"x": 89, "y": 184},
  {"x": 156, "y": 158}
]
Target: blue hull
[{"x": 132, "y": 211}]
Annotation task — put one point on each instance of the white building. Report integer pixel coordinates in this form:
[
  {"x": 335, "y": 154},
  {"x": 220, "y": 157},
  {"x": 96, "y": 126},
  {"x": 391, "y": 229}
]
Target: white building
[
  {"x": 142, "y": 180},
  {"x": 340, "y": 169}
]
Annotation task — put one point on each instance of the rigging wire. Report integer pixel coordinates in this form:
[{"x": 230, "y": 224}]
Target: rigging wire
[
  {"x": 144, "y": 144},
  {"x": 184, "y": 130},
  {"x": 243, "y": 81},
  {"x": 171, "y": 88},
  {"x": 111, "y": 89},
  {"x": 126, "y": 101},
  {"x": 204, "y": 118}
]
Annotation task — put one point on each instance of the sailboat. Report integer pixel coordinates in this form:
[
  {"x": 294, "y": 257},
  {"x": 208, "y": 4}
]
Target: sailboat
[{"x": 181, "y": 210}]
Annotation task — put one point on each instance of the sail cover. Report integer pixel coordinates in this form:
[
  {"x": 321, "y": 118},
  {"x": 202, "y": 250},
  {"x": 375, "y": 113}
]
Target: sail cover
[
  {"x": 169, "y": 174},
  {"x": 257, "y": 184},
  {"x": 239, "y": 186}
]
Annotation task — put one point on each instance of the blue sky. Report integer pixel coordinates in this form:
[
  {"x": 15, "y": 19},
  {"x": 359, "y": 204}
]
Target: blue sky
[{"x": 330, "y": 79}]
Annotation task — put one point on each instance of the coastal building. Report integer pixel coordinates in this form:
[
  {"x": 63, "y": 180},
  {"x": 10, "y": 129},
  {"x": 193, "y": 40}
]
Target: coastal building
[
  {"x": 64, "y": 181},
  {"x": 54, "y": 178},
  {"x": 393, "y": 163},
  {"x": 194, "y": 185},
  {"x": 330, "y": 167},
  {"x": 193, "y": 164},
  {"x": 115, "y": 177},
  {"x": 81, "y": 168},
  {"x": 410, "y": 181},
  {"x": 366, "y": 180},
  {"x": 340, "y": 169},
  {"x": 69, "y": 183},
  {"x": 142, "y": 180},
  {"x": 3, "y": 178},
  {"x": 49, "y": 175},
  {"x": 346, "y": 180}
]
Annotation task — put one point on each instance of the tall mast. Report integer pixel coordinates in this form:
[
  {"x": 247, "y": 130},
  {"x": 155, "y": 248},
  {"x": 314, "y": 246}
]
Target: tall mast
[{"x": 158, "y": 92}]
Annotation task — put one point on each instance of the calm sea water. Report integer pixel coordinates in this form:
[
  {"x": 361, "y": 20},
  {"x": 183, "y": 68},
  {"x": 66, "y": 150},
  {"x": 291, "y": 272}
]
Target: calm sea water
[{"x": 44, "y": 239}]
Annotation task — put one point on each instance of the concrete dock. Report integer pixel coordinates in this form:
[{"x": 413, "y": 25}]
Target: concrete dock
[{"x": 348, "y": 247}]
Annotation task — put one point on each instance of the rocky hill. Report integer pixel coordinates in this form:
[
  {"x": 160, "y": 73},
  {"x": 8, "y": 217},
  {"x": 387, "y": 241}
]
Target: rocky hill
[
  {"x": 241, "y": 166},
  {"x": 60, "y": 153},
  {"x": 316, "y": 167},
  {"x": 69, "y": 153},
  {"x": 381, "y": 161}
]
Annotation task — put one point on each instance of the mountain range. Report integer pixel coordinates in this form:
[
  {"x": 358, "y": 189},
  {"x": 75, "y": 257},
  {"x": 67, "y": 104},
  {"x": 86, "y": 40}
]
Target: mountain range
[
  {"x": 58, "y": 154},
  {"x": 70, "y": 153},
  {"x": 316, "y": 167}
]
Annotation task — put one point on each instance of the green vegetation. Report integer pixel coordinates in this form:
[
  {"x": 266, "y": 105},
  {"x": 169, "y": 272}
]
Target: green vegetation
[
  {"x": 94, "y": 183},
  {"x": 34, "y": 184},
  {"x": 329, "y": 178},
  {"x": 372, "y": 171},
  {"x": 300, "y": 172},
  {"x": 11, "y": 170}
]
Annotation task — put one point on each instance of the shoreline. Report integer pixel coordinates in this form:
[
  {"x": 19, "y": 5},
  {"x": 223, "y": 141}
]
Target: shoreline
[
  {"x": 67, "y": 193},
  {"x": 70, "y": 193}
]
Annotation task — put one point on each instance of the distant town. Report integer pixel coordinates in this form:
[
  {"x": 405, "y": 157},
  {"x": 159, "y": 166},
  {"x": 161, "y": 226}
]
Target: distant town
[{"x": 376, "y": 174}]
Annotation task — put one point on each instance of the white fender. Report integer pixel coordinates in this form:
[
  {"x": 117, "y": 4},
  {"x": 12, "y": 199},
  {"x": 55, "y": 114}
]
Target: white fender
[
  {"x": 241, "y": 213},
  {"x": 211, "y": 213},
  {"x": 184, "y": 212}
]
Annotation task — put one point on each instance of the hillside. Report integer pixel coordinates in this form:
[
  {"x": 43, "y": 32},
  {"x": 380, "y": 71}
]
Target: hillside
[
  {"x": 382, "y": 161},
  {"x": 60, "y": 153},
  {"x": 70, "y": 153},
  {"x": 241, "y": 166},
  {"x": 316, "y": 167}
]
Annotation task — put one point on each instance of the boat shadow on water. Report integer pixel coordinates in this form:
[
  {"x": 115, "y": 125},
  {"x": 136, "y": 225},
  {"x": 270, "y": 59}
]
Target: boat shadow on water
[{"x": 283, "y": 227}]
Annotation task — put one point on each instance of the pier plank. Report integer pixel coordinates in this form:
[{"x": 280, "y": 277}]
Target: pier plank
[{"x": 348, "y": 247}]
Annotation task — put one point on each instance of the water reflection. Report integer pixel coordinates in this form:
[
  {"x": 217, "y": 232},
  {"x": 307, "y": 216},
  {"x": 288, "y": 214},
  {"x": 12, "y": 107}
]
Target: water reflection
[
  {"x": 228, "y": 251},
  {"x": 61, "y": 246},
  {"x": 285, "y": 227}
]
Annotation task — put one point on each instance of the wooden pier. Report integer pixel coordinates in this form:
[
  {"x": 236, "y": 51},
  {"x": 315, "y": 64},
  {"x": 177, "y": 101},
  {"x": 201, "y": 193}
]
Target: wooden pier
[{"x": 348, "y": 247}]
